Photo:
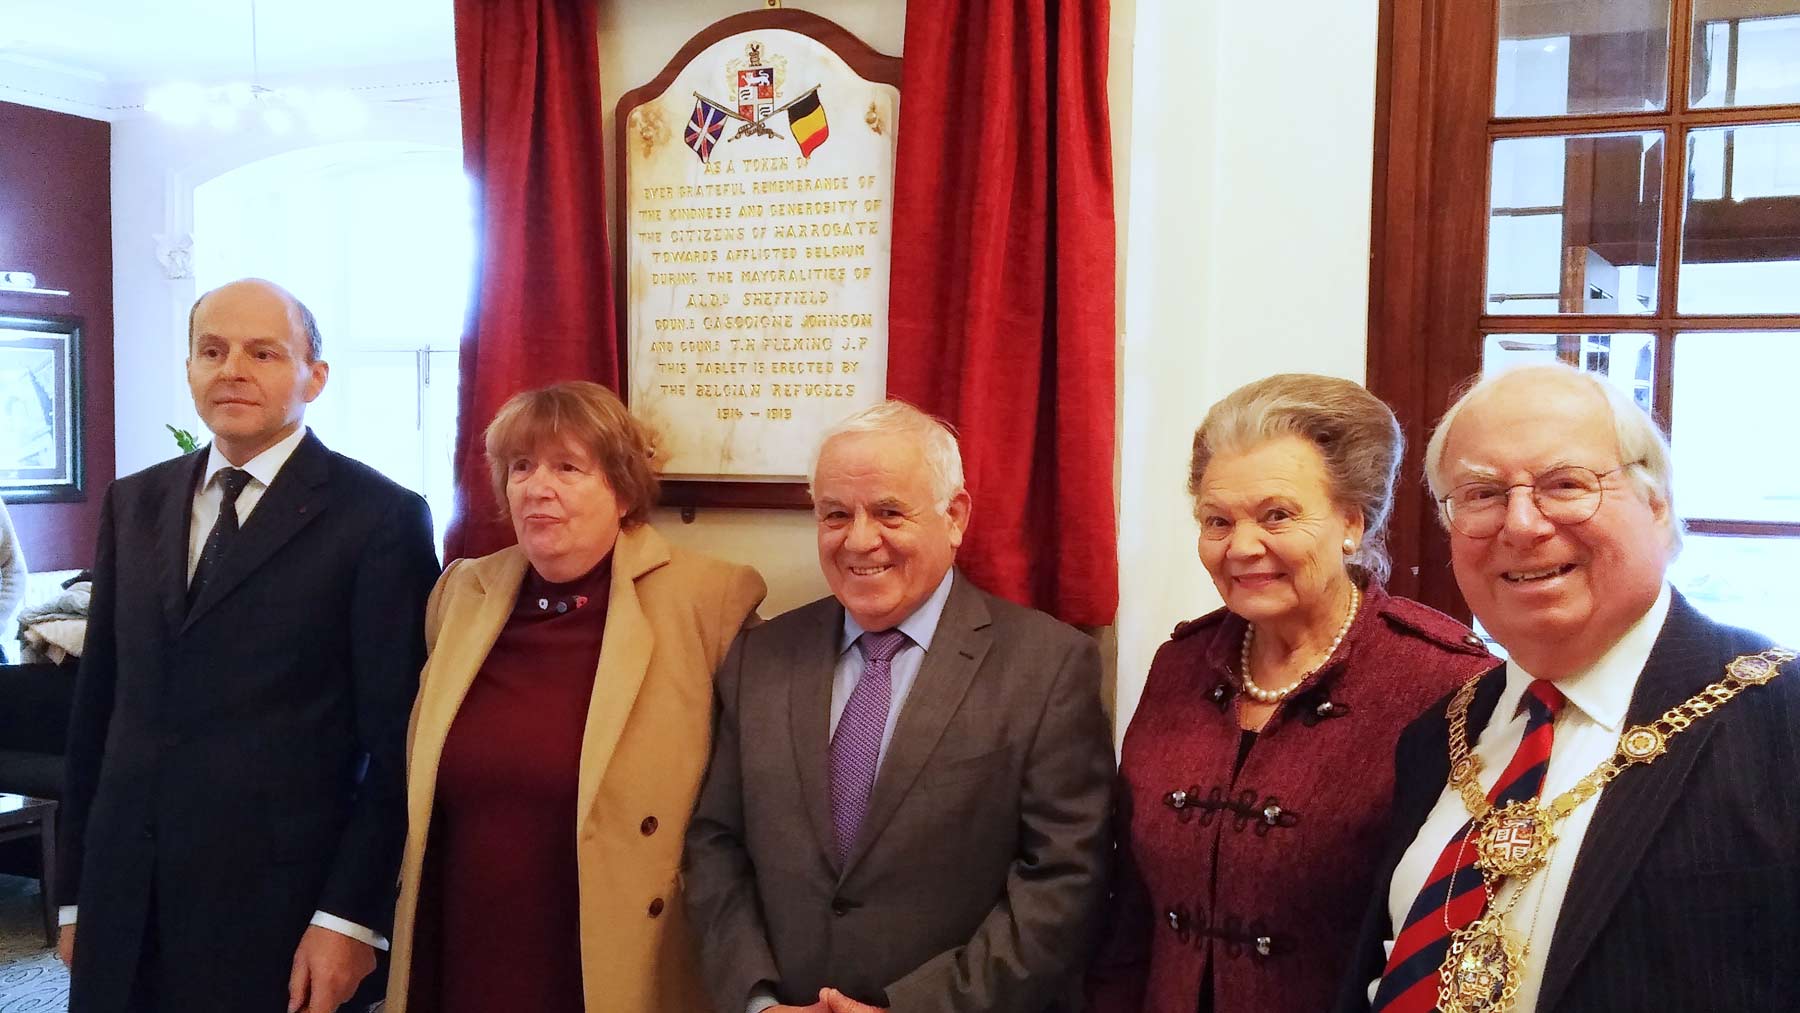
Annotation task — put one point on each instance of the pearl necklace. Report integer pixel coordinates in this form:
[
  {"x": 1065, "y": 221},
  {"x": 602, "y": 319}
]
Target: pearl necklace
[{"x": 1261, "y": 695}]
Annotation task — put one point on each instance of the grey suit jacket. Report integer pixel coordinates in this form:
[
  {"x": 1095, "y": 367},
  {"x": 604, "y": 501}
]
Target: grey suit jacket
[{"x": 975, "y": 881}]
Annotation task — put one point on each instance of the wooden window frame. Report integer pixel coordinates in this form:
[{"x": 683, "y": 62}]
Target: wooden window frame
[{"x": 1427, "y": 307}]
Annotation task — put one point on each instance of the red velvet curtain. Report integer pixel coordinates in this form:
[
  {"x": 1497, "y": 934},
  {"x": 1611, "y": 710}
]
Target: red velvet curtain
[
  {"x": 1002, "y": 315},
  {"x": 530, "y": 80}
]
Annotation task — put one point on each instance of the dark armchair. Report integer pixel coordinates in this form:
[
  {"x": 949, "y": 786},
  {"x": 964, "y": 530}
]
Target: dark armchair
[{"x": 34, "y": 724}]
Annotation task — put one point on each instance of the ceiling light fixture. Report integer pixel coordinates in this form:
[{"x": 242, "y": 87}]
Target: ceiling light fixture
[{"x": 279, "y": 110}]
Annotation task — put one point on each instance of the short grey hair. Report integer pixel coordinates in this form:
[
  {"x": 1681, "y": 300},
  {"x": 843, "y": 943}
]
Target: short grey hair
[
  {"x": 308, "y": 324},
  {"x": 1353, "y": 431},
  {"x": 935, "y": 438},
  {"x": 1643, "y": 450}
]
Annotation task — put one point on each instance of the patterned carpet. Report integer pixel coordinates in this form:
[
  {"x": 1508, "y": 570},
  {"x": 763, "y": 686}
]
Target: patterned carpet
[{"x": 31, "y": 978}]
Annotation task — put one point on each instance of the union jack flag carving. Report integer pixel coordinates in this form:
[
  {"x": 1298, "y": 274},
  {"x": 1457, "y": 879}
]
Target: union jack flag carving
[{"x": 705, "y": 127}]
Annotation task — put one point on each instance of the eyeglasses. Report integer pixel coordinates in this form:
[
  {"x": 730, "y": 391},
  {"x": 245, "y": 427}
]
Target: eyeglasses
[{"x": 1567, "y": 495}]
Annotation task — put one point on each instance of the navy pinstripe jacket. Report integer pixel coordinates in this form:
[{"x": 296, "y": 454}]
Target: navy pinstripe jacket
[{"x": 1686, "y": 893}]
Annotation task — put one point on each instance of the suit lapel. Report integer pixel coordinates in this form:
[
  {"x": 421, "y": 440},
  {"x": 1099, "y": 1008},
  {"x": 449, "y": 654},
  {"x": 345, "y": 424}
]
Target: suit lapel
[
  {"x": 1632, "y": 808},
  {"x": 299, "y": 494},
  {"x": 462, "y": 648},
  {"x": 957, "y": 649},
  {"x": 174, "y": 516},
  {"x": 813, "y": 664},
  {"x": 624, "y": 659}
]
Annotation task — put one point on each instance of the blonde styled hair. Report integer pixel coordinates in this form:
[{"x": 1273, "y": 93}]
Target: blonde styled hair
[
  {"x": 596, "y": 421},
  {"x": 1353, "y": 431}
]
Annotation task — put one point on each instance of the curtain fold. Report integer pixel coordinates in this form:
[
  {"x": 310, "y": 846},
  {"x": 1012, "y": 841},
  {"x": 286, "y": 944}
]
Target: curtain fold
[
  {"x": 529, "y": 78},
  {"x": 1002, "y": 314}
]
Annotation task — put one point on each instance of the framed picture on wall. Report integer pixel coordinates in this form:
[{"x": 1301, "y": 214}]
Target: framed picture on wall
[{"x": 40, "y": 409}]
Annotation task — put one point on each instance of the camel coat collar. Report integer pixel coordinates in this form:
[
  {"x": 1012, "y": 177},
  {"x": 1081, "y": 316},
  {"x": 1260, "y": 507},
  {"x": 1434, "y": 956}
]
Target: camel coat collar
[{"x": 624, "y": 657}]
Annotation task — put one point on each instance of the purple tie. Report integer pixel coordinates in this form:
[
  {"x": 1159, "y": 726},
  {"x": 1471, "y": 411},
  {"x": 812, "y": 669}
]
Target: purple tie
[{"x": 856, "y": 745}]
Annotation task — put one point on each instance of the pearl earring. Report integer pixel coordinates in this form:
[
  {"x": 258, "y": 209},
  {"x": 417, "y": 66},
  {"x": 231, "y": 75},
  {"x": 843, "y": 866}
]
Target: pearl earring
[{"x": 1349, "y": 547}]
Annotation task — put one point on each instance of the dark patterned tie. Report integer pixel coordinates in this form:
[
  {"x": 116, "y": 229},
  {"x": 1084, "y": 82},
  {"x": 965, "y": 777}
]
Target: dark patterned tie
[
  {"x": 224, "y": 530},
  {"x": 856, "y": 745},
  {"x": 1452, "y": 897}
]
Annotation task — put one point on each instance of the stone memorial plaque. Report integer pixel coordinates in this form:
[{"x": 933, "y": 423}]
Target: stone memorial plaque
[{"x": 757, "y": 198}]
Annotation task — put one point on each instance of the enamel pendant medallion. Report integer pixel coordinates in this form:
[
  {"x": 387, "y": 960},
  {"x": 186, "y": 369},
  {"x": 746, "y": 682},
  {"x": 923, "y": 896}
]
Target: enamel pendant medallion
[
  {"x": 1481, "y": 972},
  {"x": 1514, "y": 841}
]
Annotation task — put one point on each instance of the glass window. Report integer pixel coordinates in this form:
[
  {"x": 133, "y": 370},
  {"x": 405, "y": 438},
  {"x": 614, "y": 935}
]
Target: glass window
[
  {"x": 1628, "y": 360},
  {"x": 1734, "y": 397},
  {"x": 1558, "y": 57},
  {"x": 1740, "y": 233},
  {"x": 1572, "y": 224},
  {"x": 1742, "y": 581},
  {"x": 1744, "y": 53},
  {"x": 1672, "y": 271},
  {"x": 380, "y": 243}
]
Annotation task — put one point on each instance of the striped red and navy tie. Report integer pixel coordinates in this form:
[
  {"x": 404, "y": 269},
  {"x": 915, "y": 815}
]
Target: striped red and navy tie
[{"x": 1410, "y": 982}]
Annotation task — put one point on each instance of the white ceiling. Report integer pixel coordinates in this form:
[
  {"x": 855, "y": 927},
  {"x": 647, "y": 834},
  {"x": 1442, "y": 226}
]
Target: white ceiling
[{"x": 97, "y": 57}]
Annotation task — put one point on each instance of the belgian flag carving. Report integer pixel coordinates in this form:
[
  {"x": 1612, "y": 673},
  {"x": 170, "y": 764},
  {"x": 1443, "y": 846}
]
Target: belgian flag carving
[{"x": 806, "y": 118}]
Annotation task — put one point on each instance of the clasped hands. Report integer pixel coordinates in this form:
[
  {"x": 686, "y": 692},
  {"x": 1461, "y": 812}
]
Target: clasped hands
[{"x": 830, "y": 1001}]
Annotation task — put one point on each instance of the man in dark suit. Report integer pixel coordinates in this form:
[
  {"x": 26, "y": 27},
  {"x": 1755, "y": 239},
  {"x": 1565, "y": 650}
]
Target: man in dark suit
[
  {"x": 234, "y": 811},
  {"x": 1606, "y": 821},
  {"x": 907, "y": 803}
]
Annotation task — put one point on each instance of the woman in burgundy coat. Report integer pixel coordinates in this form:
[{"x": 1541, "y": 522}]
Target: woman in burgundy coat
[{"x": 1258, "y": 768}]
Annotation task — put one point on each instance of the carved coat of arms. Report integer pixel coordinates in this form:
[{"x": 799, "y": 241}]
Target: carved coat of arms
[{"x": 756, "y": 83}]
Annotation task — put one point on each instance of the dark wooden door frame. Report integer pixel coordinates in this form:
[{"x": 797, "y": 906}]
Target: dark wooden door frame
[{"x": 1427, "y": 228}]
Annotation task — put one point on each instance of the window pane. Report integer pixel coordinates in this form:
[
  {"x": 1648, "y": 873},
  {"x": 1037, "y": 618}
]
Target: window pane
[
  {"x": 420, "y": 202},
  {"x": 1740, "y": 235},
  {"x": 1581, "y": 56},
  {"x": 1728, "y": 389},
  {"x": 1628, "y": 360},
  {"x": 370, "y": 410},
  {"x": 1746, "y": 52},
  {"x": 1743, "y": 582},
  {"x": 1572, "y": 224},
  {"x": 438, "y": 437}
]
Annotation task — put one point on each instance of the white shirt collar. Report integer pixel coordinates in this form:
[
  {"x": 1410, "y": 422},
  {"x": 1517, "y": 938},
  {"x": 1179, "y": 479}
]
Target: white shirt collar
[
  {"x": 1603, "y": 691},
  {"x": 263, "y": 467},
  {"x": 919, "y": 627}
]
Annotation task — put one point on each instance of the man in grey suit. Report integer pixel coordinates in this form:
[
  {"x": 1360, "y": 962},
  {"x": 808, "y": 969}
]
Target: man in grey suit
[{"x": 907, "y": 803}]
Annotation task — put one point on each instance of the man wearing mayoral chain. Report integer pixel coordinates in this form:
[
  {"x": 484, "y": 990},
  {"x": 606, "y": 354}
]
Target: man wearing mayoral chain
[{"x": 1607, "y": 820}]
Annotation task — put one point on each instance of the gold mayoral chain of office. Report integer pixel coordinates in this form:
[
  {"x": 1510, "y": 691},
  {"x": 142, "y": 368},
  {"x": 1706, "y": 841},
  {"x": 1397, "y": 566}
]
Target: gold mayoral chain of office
[{"x": 1485, "y": 965}]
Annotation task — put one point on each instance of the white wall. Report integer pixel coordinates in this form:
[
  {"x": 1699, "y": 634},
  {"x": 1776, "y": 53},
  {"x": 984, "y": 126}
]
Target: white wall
[
  {"x": 155, "y": 167},
  {"x": 1247, "y": 254},
  {"x": 636, "y": 40}
]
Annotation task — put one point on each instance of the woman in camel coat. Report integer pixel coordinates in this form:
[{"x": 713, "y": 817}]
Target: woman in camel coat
[{"x": 561, "y": 733}]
